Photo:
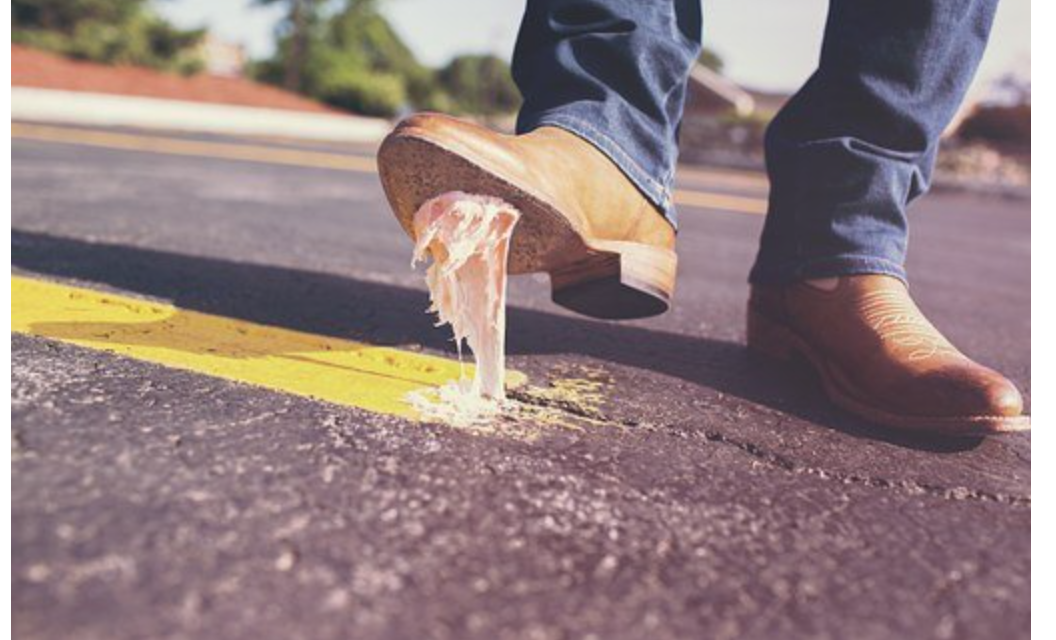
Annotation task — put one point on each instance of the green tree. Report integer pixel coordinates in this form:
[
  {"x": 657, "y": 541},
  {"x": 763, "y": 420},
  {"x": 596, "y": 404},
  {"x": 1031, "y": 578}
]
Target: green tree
[
  {"x": 295, "y": 31},
  {"x": 353, "y": 59},
  {"x": 64, "y": 16},
  {"x": 711, "y": 59},
  {"x": 480, "y": 84},
  {"x": 107, "y": 31}
]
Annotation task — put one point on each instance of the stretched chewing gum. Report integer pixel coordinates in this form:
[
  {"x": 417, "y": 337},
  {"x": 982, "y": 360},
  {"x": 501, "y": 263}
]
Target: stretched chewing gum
[{"x": 468, "y": 238}]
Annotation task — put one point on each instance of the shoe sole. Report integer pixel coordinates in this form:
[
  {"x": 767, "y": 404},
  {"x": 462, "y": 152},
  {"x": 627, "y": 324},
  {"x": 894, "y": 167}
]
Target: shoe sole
[
  {"x": 610, "y": 280},
  {"x": 775, "y": 340}
]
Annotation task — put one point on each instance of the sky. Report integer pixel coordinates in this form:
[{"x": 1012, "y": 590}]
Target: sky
[{"x": 766, "y": 44}]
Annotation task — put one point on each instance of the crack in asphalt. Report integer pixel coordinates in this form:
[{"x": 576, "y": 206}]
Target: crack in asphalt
[
  {"x": 912, "y": 487},
  {"x": 784, "y": 463},
  {"x": 570, "y": 407},
  {"x": 756, "y": 452}
]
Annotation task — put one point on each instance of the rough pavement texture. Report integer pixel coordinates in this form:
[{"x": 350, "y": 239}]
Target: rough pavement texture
[{"x": 710, "y": 495}]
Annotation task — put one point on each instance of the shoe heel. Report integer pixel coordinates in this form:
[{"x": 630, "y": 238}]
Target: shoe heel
[
  {"x": 769, "y": 338},
  {"x": 617, "y": 281}
]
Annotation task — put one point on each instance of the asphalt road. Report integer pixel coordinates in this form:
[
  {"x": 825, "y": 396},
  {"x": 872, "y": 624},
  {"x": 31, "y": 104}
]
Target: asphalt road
[{"x": 703, "y": 493}]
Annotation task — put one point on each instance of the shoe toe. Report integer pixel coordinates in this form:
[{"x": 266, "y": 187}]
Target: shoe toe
[
  {"x": 971, "y": 390},
  {"x": 1003, "y": 399}
]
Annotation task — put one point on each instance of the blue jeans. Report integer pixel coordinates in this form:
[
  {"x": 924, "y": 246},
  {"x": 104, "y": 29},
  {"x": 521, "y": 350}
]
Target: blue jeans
[{"x": 845, "y": 156}]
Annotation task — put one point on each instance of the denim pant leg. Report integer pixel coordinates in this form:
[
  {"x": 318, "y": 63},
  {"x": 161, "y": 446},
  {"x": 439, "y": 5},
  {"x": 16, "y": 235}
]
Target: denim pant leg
[
  {"x": 613, "y": 72},
  {"x": 857, "y": 143}
]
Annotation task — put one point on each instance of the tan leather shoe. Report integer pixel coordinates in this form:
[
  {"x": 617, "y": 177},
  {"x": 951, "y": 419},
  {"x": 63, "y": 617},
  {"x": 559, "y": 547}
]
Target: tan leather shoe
[
  {"x": 609, "y": 252},
  {"x": 879, "y": 357}
]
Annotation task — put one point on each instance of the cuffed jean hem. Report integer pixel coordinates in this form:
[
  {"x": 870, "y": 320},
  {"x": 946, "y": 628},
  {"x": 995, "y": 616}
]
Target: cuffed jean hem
[
  {"x": 832, "y": 267},
  {"x": 658, "y": 193}
]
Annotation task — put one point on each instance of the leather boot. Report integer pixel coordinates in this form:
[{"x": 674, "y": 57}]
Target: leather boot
[
  {"x": 880, "y": 358},
  {"x": 608, "y": 250}
]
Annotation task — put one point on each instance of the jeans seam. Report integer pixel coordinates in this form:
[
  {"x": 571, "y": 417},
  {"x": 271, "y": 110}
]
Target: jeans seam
[
  {"x": 850, "y": 258},
  {"x": 793, "y": 270}
]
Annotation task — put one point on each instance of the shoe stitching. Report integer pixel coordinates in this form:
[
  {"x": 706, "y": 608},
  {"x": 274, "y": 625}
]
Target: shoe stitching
[{"x": 896, "y": 322}]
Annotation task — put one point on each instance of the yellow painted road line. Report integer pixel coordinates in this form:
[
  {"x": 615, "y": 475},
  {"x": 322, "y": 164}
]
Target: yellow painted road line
[
  {"x": 340, "y": 371},
  {"x": 723, "y": 201},
  {"x": 197, "y": 148},
  {"x": 298, "y": 157}
]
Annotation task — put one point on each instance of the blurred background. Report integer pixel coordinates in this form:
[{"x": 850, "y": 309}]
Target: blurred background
[
  {"x": 229, "y": 466},
  {"x": 385, "y": 58}
]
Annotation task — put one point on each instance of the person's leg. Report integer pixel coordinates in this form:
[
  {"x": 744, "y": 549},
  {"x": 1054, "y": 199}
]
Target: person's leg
[
  {"x": 846, "y": 156},
  {"x": 614, "y": 73},
  {"x": 604, "y": 83},
  {"x": 856, "y": 144}
]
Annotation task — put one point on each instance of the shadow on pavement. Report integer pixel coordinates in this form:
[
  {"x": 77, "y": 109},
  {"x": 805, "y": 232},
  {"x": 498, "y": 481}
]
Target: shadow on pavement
[{"x": 385, "y": 314}]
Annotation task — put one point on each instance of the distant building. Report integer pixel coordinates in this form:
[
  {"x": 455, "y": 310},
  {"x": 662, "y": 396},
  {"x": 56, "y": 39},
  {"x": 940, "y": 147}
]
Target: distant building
[
  {"x": 768, "y": 103},
  {"x": 222, "y": 58},
  {"x": 713, "y": 94},
  {"x": 1006, "y": 97},
  {"x": 710, "y": 93},
  {"x": 723, "y": 122}
]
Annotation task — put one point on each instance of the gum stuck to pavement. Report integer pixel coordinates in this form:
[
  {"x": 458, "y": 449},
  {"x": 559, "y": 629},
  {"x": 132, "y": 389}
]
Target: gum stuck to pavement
[{"x": 468, "y": 239}]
